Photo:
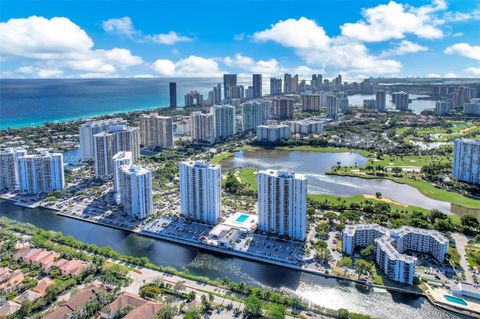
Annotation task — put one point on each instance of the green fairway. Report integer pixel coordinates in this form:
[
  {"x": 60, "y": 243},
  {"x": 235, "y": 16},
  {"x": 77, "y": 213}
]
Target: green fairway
[
  {"x": 220, "y": 157},
  {"x": 309, "y": 148},
  {"x": 417, "y": 161}
]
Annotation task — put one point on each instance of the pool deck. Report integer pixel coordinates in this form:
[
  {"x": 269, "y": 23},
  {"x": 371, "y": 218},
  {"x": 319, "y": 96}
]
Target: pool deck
[{"x": 437, "y": 296}]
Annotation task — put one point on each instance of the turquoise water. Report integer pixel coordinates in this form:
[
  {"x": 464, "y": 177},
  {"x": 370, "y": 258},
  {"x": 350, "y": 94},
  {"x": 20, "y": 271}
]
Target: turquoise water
[
  {"x": 458, "y": 301},
  {"x": 241, "y": 218},
  {"x": 33, "y": 102}
]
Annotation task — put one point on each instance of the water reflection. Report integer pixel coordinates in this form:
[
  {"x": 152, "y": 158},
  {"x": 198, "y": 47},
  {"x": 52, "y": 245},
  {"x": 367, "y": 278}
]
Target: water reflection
[{"x": 314, "y": 165}]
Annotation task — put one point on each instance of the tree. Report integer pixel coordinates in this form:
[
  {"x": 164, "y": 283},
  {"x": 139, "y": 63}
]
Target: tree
[
  {"x": 367, "y": 252},
  {"x": 275, "y": 311},
  {"x": 345, "y": 262},
  {"x": 193, "y": 314},
  {"x": 330, "y": 217},
  {"x": 167, "y": 312},
  {"x": 469, "y": 221},
  {"x": 363, "y": 267},
  {"x": 378, "y": 195},
  {"x": 253, "y": 306}
]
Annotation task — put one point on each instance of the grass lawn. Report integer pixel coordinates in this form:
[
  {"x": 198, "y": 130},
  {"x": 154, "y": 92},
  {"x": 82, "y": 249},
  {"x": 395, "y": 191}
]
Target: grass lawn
[
  {"x": 423, "y": 187},
  {"x": 220, "y": 157},
  {"x": 247, "y": 175},
  {"x": 308, "y": 148},
  {"x": 417, "y": 161}
]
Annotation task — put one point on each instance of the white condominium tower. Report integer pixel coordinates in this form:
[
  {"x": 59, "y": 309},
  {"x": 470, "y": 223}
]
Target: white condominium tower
[
  {"x": 88, "y": 131},
  {"x": 272, "y": 133},
  {"x": 109, "y": 143},
  {"x": 156, "y": 131},
  {"x": 252, "y": 115},
  {"x": 8, "y": 168},
  {"x": 224, "y": 120},
  {"x": 282, "y": 203},
  {"x": 120, "y": 159},
  {"x": 200, "y": 192},
  {"x": 136, "y": 190},
  {"x": 40, "y": 173},
  {"x": 466, "y": 161},
  {"x": 203, "y": 128}
]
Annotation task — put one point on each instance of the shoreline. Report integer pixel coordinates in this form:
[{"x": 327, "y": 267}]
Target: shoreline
[{"x": 227, "y": 252}]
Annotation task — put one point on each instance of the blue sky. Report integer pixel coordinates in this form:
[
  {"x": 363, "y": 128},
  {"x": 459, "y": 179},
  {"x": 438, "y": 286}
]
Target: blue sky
[{"x": 437, "y": 38}]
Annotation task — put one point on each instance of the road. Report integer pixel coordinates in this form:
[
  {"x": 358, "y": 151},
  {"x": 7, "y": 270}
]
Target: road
[{"x": 462, "y": 241}]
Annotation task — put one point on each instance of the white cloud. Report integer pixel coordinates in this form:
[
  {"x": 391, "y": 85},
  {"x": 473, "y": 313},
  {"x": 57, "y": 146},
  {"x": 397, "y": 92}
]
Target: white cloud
[
  {"x": 394, "y": 21},
  {"x": 473, "y": 71},
  {"x": 450, "y": 75},
  {"x": 41, "y": 38},
  {"x": 312, "y": 44},
  {"x": 439, "y": 76},
  {"x": 61, "y": 43},
  {"x": 404, "y": 47},
  {"x": 248, "y": 64},
  {"x": 462, "y": 16},
  {"x": 122, "y": 26},
  {"x": 168, "y": 38},
  {"x": 239, "y": 36},
  {"x": 299, "y": 34},
  {"x": 190, "y": 66},
  {"x": 39, "y": 72},
  {"x": 465, "y": 49}
]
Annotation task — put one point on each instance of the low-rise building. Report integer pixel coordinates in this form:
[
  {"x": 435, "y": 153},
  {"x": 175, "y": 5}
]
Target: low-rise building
[
  {"x": 390, "y": 245},
  {"x": 272, "y": 133}
]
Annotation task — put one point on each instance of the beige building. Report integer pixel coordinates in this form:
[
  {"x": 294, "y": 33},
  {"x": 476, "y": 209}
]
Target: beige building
[{"x": 156, "y": 131}]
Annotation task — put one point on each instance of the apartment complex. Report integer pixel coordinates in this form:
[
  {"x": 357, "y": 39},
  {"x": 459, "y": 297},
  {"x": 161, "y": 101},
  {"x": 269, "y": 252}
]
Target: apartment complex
[
  {"x": 466, "y": 161},
  {"x": 156, "y": 131},
  {"x": 400, "y": 100},
  {"x": 310, "y": 102},
  {"x": 203, "y": 128},
  {"x": 200, "y": 191},
  {"x": 136, "y": 190},
  {"x": 272, "y": 133},
  {"x": 89, "y": 130},
  {"x": 40, "y": 173},
  {"x": 108, "y": 143},
  {"x": 252, "y": 115},
  {"x": 8, "y": 168},
  {"x": 390, "y": 245},
  {"x": 120, "y": 159},
  {"x": 282, "y": 203},
  {"x": 282, "y": 108},
  {"x": 224, "y": 120}
]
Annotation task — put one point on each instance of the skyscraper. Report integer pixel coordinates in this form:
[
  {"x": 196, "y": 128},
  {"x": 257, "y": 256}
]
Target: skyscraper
[
  {"x": 109, "y": 143},
  {"x": 136, "y": 190},
  {"x": 257, "y": 86},
  {"x": 193, "y": 98},
  {"x": 466, "y": 161},
  {"x": 282, "y": 108},
  {"x": 443, "y": 107},
  {"x": 40, "y": 173},
  {"x": 400, "y": 100},
  {"x": 8, "y": 168},
  {"x": 275, "y": 86},
  {"x": 156, "y": 131},
  {"x": 381, "y": 101},
  {"x": 120, "y": 159},
  {"x": 173, "y": 94},
  {"x": 229, "y": 80},
  {"x": 237, "y": 92},
  {"x": 88, "y": 131},
  {"x": 282, "y": 203},
  {"x": 224, "y": 120},
  {"x": 203, "y": 128},
  {"x": 200, "y": 193},
  {"x": 252, "y": 115},
  {"x": 332, "y": 105},
  {"x": 310, "y": 102},
  {"x": 287, "y": 83}
]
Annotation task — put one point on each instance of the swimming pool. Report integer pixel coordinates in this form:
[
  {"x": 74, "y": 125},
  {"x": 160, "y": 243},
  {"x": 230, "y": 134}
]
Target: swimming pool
[
  {"x": 242, "y": 218},
  {"x": 458, "y": 301}
]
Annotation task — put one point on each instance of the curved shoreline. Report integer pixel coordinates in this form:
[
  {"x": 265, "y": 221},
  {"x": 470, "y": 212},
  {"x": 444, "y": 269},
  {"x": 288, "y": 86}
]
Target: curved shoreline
[{"x": 210, "y": 248}]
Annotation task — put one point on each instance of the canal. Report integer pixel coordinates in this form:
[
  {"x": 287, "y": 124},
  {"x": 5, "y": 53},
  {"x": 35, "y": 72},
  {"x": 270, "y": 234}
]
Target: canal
[{"x": 322, "y": 291}]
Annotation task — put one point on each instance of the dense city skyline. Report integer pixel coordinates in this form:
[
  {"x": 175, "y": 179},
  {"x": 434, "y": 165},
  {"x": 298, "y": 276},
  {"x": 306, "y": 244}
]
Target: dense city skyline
[{"x": 366, "y": 38}]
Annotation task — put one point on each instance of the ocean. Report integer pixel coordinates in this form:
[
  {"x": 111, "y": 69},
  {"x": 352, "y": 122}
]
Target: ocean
[{"x": 26, "y": 103}]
